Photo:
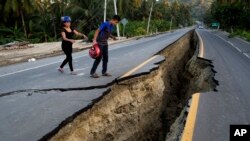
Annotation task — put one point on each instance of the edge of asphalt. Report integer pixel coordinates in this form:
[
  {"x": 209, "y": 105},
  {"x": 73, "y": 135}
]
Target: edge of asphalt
[{"x": 188, "y": 132}]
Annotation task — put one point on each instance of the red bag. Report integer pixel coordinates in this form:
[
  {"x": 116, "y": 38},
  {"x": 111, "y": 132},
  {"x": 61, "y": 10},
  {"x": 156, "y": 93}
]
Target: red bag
[{"x": 94, "y": 51}]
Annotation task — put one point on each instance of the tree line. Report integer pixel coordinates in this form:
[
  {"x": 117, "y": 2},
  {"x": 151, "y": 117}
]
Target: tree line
[
  {"x": 39, "y": 20},
  {"x": 231, "y": 14}
]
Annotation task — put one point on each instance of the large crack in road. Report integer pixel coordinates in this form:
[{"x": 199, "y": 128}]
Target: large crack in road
[{"x": 147, "y": 106}]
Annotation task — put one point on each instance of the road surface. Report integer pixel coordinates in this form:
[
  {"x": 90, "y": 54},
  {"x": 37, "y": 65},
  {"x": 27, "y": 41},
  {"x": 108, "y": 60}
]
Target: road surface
[
  {"x": 35, "y": 98},
  {"x": 230, "y": 105}
]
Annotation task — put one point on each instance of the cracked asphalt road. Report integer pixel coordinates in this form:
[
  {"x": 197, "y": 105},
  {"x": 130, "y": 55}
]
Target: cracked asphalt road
[
  {"x": 43, "y": 74},
  {"x": 230, "y": 105},
  {"x": 29, "y": 111}
]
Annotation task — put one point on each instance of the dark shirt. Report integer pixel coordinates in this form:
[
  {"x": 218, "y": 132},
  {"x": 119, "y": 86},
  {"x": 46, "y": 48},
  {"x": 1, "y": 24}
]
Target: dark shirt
[
  {"x": 105, "y": 31},
  {"x": 69, "y": 35}
]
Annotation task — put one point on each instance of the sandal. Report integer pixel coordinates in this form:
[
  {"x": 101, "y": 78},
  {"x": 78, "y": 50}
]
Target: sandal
[
  {"x": 94, "y": 75},
  {"x": 60, "y": 70}
]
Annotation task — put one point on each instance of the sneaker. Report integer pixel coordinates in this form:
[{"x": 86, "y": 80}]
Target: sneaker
[
  {"x": 94, "y": 75},
  {"x": 73, "y": 73},
  {"x": 60, "y": 70},
  {"x": 106, "y": 74}
]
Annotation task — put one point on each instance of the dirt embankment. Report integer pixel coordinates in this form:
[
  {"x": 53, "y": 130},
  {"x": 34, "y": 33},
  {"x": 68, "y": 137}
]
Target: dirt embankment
[{"x": 145, "y": 107}]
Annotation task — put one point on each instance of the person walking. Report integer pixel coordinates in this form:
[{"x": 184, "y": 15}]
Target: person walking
[
  {"x": 101, "y": 37},
  {"x": 67, "y": 41}
]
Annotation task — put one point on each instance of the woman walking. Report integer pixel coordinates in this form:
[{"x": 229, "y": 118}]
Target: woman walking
[{"x": 67, "y": 41}]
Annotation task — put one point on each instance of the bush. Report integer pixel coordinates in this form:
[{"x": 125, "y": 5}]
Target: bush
[
  {"x": 5, "y": 40},
  {"x": 140, "y": 31},
  {"x": 246, "y": 34},
  {"x": 136, "y": 28},
  {"x": 91, "y": 35},
  {"x": 161, "y": 25},
  {"x": 242, "y": 33}
]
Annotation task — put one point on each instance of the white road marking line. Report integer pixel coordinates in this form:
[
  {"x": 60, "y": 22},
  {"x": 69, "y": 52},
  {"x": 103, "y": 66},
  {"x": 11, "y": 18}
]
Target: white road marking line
[
  {"x": 81, "y": 74},
  {"x": 60, "y": 61},
  {"x": 79, "y": 56},
  {"x": 81, "y": 69},
  {"x": 37, "y": 67},
  {"x": 24, "y": 70},
  {"x": 246, "y": 55},
  {"x": 29, "y": 69},
  {"x": 230, "y": 43},
  {"x": 221, "y": 38},
  {"x": 238, "y": 49}
]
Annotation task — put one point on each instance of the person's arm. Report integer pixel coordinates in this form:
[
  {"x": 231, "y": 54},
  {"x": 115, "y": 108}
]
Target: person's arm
[
  {"x": 80, "y": 34},
  {"x": 96, "y": 35},
  {"x": 113, "y": 37},
  {"x": 101, "y": 28},
  {"x": 65, "y": 38}
]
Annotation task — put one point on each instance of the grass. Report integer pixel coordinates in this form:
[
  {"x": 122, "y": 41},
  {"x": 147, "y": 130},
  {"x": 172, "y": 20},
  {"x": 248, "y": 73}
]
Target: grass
[{"x": 242, "y": 33}]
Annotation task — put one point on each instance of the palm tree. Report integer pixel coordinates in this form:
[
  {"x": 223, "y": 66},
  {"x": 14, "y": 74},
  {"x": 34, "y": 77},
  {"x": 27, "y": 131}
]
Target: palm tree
[
  {"x": 137, "y": 3},
  {"x": 18, "y": 7},
  {"x": 123, "y": 7},
  {"x": 55, "y": 10},
  {"x": 12, "y": 33},
  {"x": 175, "y": 12},
  {"x": 87, "y": 14},
  {"x": 1, "y": 6},
  {"x": 165, "y": 3}
]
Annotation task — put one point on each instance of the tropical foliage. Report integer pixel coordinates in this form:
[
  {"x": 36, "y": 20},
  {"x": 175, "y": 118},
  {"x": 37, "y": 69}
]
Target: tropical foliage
[
  {"x": 39, "y": 20},
  {"x": 230, "y": 14},
  {"x": 233, "y": 16}
]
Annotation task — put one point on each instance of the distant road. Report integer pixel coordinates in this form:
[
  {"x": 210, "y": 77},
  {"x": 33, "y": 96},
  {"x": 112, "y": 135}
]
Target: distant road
[{"x": 231, "y": 104}]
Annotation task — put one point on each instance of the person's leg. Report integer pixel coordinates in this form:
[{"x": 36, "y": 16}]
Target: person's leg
[
  {"x": 68, "y": 51},
  {"x": 95, "y": 65},
  {"x": 69, "y": 56},
  {"x": 65, "y": 61},
  {"x": 105, "y": 59}
]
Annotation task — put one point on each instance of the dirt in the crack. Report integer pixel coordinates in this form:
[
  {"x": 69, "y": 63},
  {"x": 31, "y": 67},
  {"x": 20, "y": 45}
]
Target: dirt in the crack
[
  {"x": 198, "y": 76},
  {"x": 145, "y": 107}
]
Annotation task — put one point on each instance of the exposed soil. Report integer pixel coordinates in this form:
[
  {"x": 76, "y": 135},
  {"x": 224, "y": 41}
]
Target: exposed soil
[{"x": 145, "y": 108}]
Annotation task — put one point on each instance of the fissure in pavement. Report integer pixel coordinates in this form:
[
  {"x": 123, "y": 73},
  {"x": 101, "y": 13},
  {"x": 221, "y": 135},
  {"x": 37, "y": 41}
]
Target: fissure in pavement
[{"x": 145, "y": 107}]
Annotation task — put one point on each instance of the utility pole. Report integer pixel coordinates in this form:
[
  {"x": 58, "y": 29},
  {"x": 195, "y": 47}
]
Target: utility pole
[
  {"x": 105, "y": 11},
  {"x": 171, "y": 23},
  {"x": 149, "y": 18},
  {"x": 117, "y": 26}
]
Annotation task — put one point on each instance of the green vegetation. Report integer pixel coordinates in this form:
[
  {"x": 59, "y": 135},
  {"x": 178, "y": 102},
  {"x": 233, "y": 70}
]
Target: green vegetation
[
  {"x": 242, "y": 33},
  {"x": 39, "y": 20},
  {"x": 136, "y": 28},
  {"x": 233, "y": 16},
  {"x": 197, "y": 7}
]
